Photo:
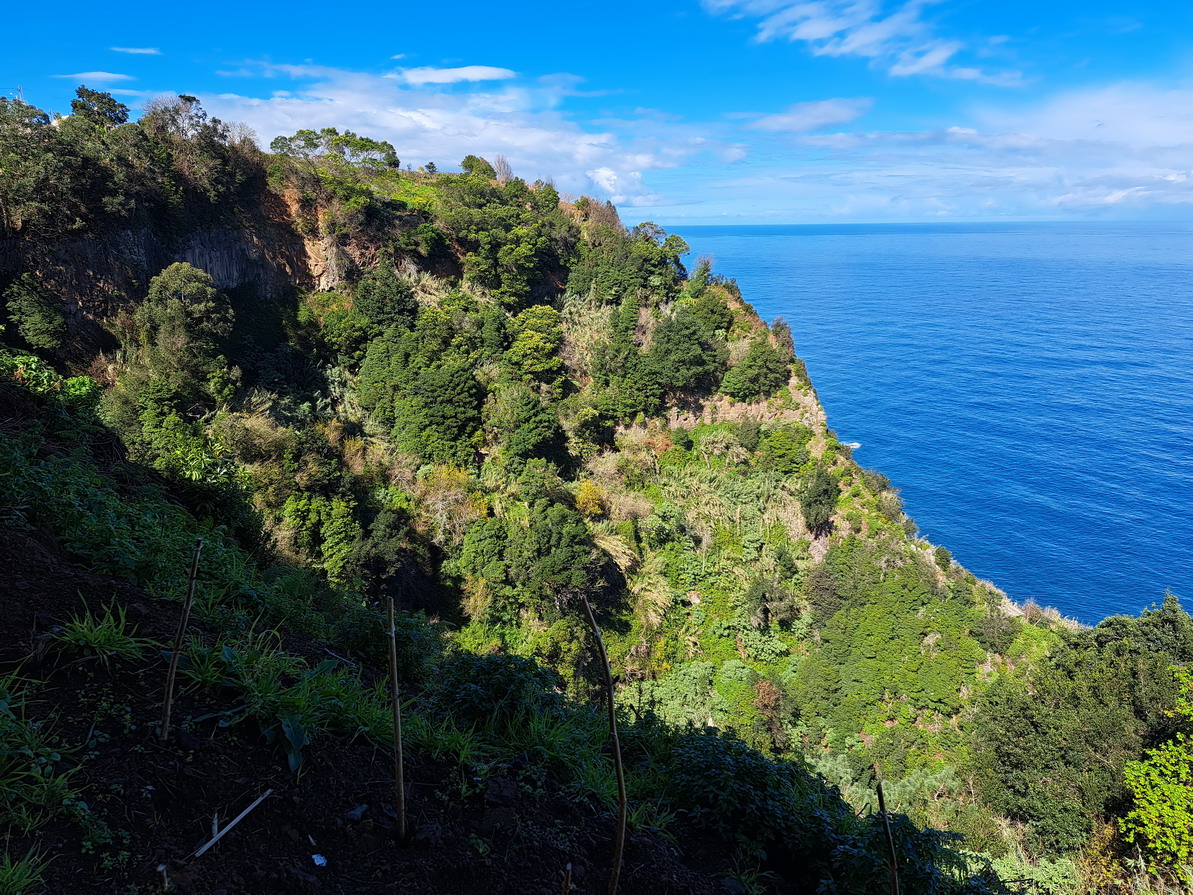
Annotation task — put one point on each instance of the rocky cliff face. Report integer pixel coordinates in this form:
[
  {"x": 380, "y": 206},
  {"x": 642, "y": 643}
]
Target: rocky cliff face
[{"x": 95, "y": 276}]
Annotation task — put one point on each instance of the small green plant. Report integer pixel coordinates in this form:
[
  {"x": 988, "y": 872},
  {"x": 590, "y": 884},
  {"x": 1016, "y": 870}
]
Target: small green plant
[
  {"x": 203, "y": 666},
  {"x": 107, "y": 638},
  {"x": 753, "y": 878},
  {"x": 478, "y": 844},
  {"x": 31, "y": 790},
  {"x": 653, "y": 816},
  {"x": 290, "y": 702},
  {"x": 444, "y": 739}
]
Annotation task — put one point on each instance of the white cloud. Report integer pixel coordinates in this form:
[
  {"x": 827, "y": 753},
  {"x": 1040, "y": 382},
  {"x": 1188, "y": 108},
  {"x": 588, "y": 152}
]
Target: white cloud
[
  {"x": 622, "y": 188},
  {"x": 901, "y": 40},
  {"x": 97, "y": 76},
  {"x": 137, "y": 51},
  {"x": 426, "y": 122},
  {"x": 419, "y": 76},
  {"x": 803, "y": 117}
]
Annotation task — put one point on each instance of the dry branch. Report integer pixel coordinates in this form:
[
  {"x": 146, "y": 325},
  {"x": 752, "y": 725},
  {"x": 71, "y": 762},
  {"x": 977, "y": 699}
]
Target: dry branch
[
  {"x": 890, "y": 841},
  {"x": 183, "y": 621},
  {"x": 619, "y": 840},
  {"x": 395, "y": 699}
]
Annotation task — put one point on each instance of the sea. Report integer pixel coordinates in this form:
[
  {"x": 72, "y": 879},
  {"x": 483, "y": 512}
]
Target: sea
[{"x": 1027, "y": 387}]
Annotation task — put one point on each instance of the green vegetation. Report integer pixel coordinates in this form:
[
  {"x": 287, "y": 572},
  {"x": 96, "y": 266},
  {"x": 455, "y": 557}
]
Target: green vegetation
[
  {"x": 106, "y": 638},
  {"x": 36, "y": 315},
  {"x": 507, "y": 402}
]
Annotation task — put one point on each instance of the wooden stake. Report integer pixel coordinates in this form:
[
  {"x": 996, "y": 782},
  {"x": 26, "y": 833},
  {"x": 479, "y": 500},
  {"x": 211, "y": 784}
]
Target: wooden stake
[
  {"x": 619, "y": 840},
  {"x": 395, "y": 699},
  {"x": 183, "y": 621},
  {"x": 890, "y": 841}
]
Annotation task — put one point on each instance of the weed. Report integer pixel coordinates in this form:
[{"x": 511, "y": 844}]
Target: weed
[
  {"x": 31, "y": 789},
  {"x": 20, "y": 875},
  {"x": 106, "y": 638},
  {"x": 290, "y": 702},
  {"x": 652, "y": 815},
  {"x": 204, "y": 666},
  {"x": 754, "y": 879},
  {"x": 444, "y": 739},
  {"x": 479, "y": 845}
]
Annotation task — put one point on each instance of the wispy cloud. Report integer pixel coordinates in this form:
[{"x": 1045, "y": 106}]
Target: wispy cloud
[
  {"x": 102, "y": 77},
  {"x": 804, "y": 117},
  {"x": 899, "y": 39},
  {"x": 137, "y": 51},
  {"x": 1117, "y": 151},
  {"x": 465, "y": 73}
]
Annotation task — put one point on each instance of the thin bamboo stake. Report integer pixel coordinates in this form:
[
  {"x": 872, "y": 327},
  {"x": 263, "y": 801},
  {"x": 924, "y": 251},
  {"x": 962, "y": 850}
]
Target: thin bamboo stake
[
  {"x": 619, "y": 841},
  {"x": 395, "y": 699},
  {"x": 890, "y": 841},
  {"x": 241, "y": 816},
  {"x": 183, "y": 621}
]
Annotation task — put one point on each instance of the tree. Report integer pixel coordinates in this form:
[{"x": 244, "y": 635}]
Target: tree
[
  {"x": 183, "y": 318},
  {"x": 37, "y": 315},
  {"x": 384, "y": 298},
  {"x": 502, "y": 170},
  {"x": 538, "y": 336},
  {"x": 99, "y": 108},
  {"x": 478, "y": 167},
  {"x": 346, "y": 149},
  {"x": 818, "y": 500},
  {"x": 438, "y": 414},
  {"x": 201, "y": 148},
  {"x": 1161, "y": 785},
  {"x": 534, "y": 431},
  {"x": 783, "y": 341},
  {"x": 37, "y": 174},
  {"x": 712, "y": 313},
  {"x": 683, "y": 356},
  {"x": 760, "y": 373},
  {"x": 431, "y": 169},
  {"x": 698, "y": 281}
]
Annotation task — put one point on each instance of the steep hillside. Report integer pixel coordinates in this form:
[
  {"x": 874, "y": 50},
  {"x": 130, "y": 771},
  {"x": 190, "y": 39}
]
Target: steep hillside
[{"x": 496, "y": 406}]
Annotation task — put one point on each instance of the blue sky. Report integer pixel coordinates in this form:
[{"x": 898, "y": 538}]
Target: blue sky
[{"x": 693, "y": 111}]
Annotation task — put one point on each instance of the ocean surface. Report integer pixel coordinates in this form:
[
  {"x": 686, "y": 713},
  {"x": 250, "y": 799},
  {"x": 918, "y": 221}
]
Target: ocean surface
[{"x": 1027, "y": 387}]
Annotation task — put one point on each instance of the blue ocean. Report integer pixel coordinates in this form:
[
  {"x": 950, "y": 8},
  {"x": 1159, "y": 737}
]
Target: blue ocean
[{"x": 1028, "y": 387}]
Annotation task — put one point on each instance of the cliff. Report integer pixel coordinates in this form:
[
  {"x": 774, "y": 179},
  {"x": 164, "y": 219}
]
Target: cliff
[{"x": 485, "y": 402}]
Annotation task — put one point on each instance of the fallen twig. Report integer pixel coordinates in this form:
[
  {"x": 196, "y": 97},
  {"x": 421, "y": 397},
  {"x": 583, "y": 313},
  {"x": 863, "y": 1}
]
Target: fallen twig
[
  {"x": 338, "y": 656},
  {"x": 241, "y": 816}
]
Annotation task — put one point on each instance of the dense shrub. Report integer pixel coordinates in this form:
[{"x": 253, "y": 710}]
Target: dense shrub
[{"x": 36, "y": 314}]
